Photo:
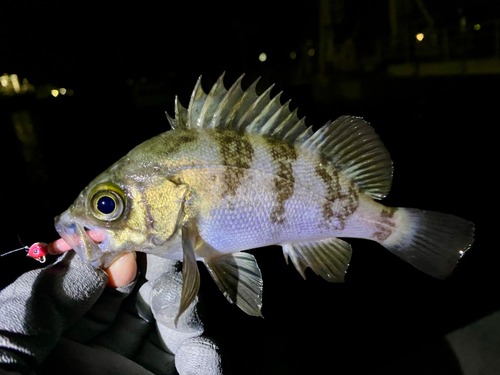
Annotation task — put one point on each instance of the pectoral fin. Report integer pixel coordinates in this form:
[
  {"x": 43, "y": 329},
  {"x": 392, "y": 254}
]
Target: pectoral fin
[
  {"x": 238, "y": 277},
  {"x": 328, "y": 258},
  {"x": 190, "y": 272}
]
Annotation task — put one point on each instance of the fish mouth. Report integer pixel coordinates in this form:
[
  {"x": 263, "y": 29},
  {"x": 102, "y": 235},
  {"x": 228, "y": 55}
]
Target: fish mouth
[{"x": 77, "y": 236}]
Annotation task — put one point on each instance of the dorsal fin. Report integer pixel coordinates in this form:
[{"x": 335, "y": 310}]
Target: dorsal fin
[
  {"x": 226, "y": 104},
  {"x": 353, "y": 147},
  {"x": 180, "y": 115},
  {"x": 349, "y": 143},
  {"x": 212, "y": 102},
  {"x": 238, "y": 109},
  {"x": 198, "y": 98}
]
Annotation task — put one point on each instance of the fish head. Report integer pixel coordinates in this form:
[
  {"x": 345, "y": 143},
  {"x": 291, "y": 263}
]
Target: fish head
[{"x": 129, "y": 207}]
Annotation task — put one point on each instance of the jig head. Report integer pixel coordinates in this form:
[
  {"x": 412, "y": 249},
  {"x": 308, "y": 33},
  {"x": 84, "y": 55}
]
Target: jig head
[{"x": 37, "y": 251}]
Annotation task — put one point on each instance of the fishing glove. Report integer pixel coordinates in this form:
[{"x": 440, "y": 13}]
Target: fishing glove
[{"x": 63, "y": 319}]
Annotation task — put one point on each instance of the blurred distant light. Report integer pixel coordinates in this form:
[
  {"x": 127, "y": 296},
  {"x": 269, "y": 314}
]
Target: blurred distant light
[
  {"x": 62, "y": 91},
  {"x": 477, "y": 27},
  {"x": 70, "y": 92},
  {"x": 463, "y": 23},
  {"x": 420, "y": 37},
  {"x": 12, "y": 85},
  {"x": 293, "y": 55},
  {"x": 311, "y": 52},
  {"x": 54, "y": 93},
  {"x": 15, "y": 82},
  {"x": 4, "y": 80},
  {"x": 262, "y": 57}
]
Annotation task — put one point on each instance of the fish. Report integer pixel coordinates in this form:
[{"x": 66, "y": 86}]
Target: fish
[{"x": 239, "y": 171}]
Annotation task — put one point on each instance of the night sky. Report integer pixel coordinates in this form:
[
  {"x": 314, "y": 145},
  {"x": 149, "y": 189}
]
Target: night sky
[{"x": 67, "y": 42}]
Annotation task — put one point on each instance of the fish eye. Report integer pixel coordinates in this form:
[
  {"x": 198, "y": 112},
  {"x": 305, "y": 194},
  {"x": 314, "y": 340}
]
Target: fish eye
[{"x": 107, "y": 202}]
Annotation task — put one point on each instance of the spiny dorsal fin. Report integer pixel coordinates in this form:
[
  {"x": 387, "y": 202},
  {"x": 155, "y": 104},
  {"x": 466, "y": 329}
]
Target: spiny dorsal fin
[
  {"x": 180, "y": 115},
  {"x": 241, "y": 106},
  {"x": 226, "y": 104},
  {"x": 238, "y": 109},
  {"x": 171, "y": 121},
  {"x": 212, "y": 101},
  {"x": 257, "y": 108},
  {"x": 349, "y": 143},
  {"x": 195, "y": 107}
]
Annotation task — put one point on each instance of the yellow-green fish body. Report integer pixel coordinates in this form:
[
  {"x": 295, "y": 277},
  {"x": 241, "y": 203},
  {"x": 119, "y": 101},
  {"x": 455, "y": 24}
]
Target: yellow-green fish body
[{"x": 240, "y": 171}]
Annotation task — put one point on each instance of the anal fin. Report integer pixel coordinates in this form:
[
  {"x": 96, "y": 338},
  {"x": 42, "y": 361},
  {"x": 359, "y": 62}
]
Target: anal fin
[
  {"x": 239, "y": 278},
  {"x": 190, "y": 271},
  {"x": 327, "y": 258}
]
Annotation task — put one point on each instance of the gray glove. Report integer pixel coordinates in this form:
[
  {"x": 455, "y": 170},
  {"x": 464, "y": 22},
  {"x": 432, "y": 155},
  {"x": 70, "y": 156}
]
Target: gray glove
[{"x": 63, "y": 319}]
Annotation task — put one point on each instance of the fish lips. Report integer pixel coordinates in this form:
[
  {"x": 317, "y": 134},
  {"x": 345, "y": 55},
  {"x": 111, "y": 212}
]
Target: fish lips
[{"x": 77, "y": 237}]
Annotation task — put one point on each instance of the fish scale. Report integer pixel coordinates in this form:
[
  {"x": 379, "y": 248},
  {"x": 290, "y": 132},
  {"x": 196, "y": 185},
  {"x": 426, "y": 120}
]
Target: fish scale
[
  {"x": 240, "y": 171},
  {"x": 300, "y": 207}
]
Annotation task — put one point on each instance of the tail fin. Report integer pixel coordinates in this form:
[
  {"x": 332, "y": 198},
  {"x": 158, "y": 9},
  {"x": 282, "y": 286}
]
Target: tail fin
[{"x": 430, "y": 241}]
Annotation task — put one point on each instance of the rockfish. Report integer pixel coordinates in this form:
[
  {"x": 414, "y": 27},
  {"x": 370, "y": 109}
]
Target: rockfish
[{"x": 240, "y": 171}]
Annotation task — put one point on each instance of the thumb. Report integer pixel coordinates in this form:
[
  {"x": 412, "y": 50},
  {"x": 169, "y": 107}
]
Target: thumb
[{"x": 123, "y": 270}]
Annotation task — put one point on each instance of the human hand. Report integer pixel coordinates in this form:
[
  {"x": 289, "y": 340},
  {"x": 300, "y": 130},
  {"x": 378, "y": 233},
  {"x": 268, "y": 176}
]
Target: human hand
[
  {"x": 120, "y": 273},
  {"x": 63, "y": 319}
]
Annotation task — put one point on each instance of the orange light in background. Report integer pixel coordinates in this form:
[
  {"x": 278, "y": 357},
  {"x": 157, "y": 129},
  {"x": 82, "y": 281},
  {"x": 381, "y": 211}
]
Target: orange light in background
[
  {"x": 293, "y": 55},
  {"x": 419, "y": 37}
]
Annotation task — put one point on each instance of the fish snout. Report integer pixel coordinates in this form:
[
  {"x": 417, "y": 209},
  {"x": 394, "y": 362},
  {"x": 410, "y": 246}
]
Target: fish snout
[{"x": 77, "y": 237}]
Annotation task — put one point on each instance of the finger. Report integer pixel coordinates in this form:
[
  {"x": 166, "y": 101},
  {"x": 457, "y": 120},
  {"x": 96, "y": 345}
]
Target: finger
[
  {"x": 61, "y": 246},
  {"x": 123, "y": 270},
  {"x": 58, "y": 247},
  {"x": 198, "y": 355}
]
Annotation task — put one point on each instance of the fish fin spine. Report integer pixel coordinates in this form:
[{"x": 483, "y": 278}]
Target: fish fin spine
[
  {"x": 432, "y": 242},
  {"x": 190, "y": 271},
  {"x": 239, "y": 278},
  {"x": 328, "y": 258},
  {"x": 180, "y": 115},
  {"x": 171, "y": 121},
  {"x": 239, "y": 110}
]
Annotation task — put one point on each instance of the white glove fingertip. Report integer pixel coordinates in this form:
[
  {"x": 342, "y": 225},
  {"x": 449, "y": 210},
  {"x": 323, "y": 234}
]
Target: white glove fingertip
[{"x": 198, "y": 356}]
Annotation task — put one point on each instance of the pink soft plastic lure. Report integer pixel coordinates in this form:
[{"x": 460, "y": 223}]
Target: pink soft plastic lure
[{"x": 40, "y": 250}]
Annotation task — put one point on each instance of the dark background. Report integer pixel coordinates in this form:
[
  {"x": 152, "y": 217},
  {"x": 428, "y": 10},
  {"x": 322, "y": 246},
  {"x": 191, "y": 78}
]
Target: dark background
[{"x": 123, "y": 67}]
